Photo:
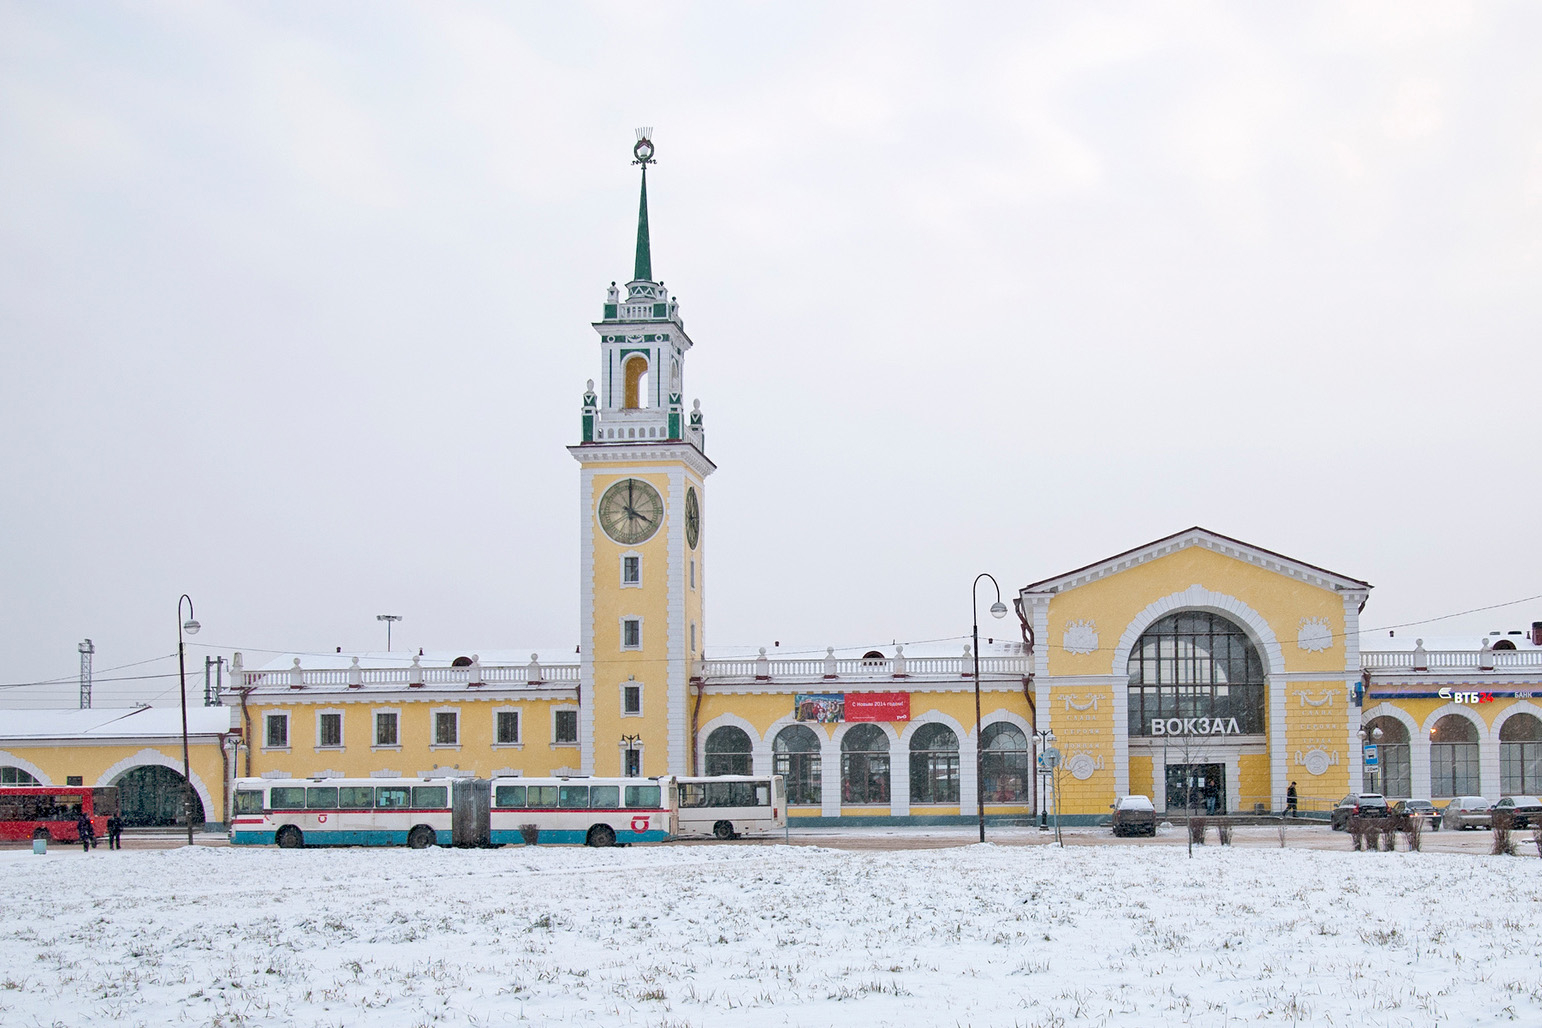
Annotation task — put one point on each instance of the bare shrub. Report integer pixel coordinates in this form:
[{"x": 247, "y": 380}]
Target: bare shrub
[
  {"x": 1388, "y": 829},
  {"x": 1536, "y": 837},
  {"x": 530, "y": 833},
  {"x": 1356, "y": 829},
  {"x": 1282, "y": 836},
  {"x": 1197, "y": 827},
  {"x": 1413, "y": 830},
  {"x": 1504, "y": 843},
  {"x": 1223, "y": 831}
]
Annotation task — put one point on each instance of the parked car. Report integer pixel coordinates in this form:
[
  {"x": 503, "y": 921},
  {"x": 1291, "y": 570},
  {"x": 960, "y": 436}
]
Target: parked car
[
  {"x": 1424, "y": 810},
  {"x": 1467, "y": 812},
  {"x": 1524, "y": 811},
  {"x": 1357, "y": 804},
  {"x": 1134, "y": 815}
]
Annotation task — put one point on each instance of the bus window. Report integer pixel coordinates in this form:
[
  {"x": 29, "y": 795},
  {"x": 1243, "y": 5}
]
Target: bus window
[
  {"x": 573, "y": 796},
  {"x": 248, "y": 801},
  {"x": 355, "y": 797},
  {"x": 436, "y": 797},
  {"x": 104, "y": 802},
  {"x": 762, "y": 794},
  {"x": 321, "y": 797},
  {"x": 692, "y": 796},
  {"x": 543, "y": 796},
  {"x": 605, "y": 796},
  {"x": 389, "y": 796},
  {"x": 642, "y": 796},
  {"x": 285, "y": 797},
  {"x": 510, "y": 796}
]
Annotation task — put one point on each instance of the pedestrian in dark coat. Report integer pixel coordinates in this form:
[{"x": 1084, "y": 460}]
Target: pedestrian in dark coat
[
  {"x": 1290, "y": 800},
  {"x": 86, "y": 831},
  {"x": 115, "y": 832}
]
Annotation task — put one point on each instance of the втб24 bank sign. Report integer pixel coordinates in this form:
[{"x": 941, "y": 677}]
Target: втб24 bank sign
[{"x": 834, "y": 707}]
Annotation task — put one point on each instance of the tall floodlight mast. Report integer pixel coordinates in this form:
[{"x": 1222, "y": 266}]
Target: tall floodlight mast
[{"x": 86, "y": 649}]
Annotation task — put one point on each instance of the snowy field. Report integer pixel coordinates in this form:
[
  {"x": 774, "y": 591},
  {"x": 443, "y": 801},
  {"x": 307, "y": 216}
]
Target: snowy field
[{"x": 769, "y": 935}]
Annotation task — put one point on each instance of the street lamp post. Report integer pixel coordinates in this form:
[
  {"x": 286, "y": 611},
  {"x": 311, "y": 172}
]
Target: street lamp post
[
  {"x": 1043, "y": 739},
  {"x": 1374, "y": 736},
  {"x": 998, "y": 610},
  {"x": 190, "y": 627},
  {"x": 389, "y": 619}
]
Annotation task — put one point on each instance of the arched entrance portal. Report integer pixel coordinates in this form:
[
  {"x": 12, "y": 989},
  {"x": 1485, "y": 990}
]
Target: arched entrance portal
[{"x": 153, "y": 795}]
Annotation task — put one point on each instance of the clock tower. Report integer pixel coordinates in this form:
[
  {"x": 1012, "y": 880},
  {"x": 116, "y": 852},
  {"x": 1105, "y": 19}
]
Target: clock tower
[{"x": 642, "y": 502}]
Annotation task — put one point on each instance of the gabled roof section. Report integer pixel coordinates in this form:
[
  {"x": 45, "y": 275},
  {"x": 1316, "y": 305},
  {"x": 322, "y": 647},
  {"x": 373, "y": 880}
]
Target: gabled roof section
[{"x": 1202, "y": 537}]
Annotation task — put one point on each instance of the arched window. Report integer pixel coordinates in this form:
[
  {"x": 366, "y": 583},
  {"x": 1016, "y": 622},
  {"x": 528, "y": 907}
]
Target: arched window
[
  {"x": 728, "y": 751},
  {"x": 16, "y": 776},
  {"x": 1520, "y": 755},
  {"x": 1195, "y": 664},
  {"x": 795, "y": 755},
  {"x": 1454, "y": 757},
  {"x": 1394, "y": 777},
  {"x": 1004, "y": 763},
  {"x": 636, "y": 378},
  {"x": 865, "y": 765},
  {"x": 934, "y": 765}
]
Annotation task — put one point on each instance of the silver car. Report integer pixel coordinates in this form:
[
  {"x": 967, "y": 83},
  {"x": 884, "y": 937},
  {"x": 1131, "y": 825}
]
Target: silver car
[{"x": 1467, "y": 812}]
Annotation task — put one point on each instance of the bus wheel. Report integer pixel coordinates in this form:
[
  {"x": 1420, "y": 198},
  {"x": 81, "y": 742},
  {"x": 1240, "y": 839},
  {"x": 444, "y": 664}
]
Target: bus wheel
[
  {"x": 290, "y": 838},
  {"x": 723, "y": 830},
  {"x": 421, "y": 837},
  {"x": 601, "y": 835}
]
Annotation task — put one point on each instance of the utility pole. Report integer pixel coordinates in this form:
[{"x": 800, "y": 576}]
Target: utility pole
[
  {"x": 389, "y": 619},
  {"x": 212, "y": 687},
  {"x": 86, "y": 649}
]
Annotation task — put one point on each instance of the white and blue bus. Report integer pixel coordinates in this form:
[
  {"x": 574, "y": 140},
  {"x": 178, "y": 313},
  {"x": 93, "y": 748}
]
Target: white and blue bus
[
  {"x": 423, "y": 812},
  {"x": 731, "y": 806},
  {"x": 591, "y": 811}
]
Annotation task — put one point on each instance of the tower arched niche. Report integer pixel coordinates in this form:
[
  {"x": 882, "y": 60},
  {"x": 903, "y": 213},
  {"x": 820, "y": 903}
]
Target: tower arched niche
[{"x": 635, "y": 381}]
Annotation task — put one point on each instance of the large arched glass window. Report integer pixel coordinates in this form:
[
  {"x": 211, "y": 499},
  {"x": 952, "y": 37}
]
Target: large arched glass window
[
  {"x": 865, "y": 765},
  {"x": 1004, "y": 764},
  {"x": 1394, "y": 777},
  {"x": 1454, "y": 757},
  {"x": 934, "y": 765},
  {"x": 1195, "y": 665},
  {"x": 728, "y": 751},
  {"x": 795, "y": 755},
  {"x": 1520, "y": 755},
  {"x": 16, "y": 776}
]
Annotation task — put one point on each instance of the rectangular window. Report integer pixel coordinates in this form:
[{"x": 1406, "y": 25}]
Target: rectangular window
[
  {"x": 631, "y": 570},
  {"x": 693, "y": 637},
  {"x": 385, "y": 729},
  {"x": 356, "y": 797},
  {"x": 507, "y": 726},
  {"x": 430, "y": 797},
  {"x": 390, "y": 796},
  {"x": 642, "y": 795},
  {"x": 631, "y": 634},
  {"x": 277, "y": 732},
  {"x": 287, "y": 797},
  {"x": 605, "y": 796},
  {"x": 693, "y": 574},
  {"x": 542, "y": 796},
  {"x": 565, "y": 727},
  {"x": 248, "y": 801},
  {"x": 631, "y": 699},
  {"x": 329, "y": 730},
  {"x": 573, "y": 796},
  {"x": 321, "y": 797},
  {"x": 509, "y": 796},
  {"x": 446, "y": 728}
]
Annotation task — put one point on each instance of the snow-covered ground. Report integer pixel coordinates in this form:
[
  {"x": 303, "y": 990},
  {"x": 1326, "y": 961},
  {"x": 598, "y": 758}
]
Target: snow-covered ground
[{"x": 769, "y": 935}]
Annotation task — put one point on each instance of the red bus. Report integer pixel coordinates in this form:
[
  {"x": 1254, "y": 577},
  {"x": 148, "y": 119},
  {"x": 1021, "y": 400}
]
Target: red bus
[{"x": 45, "y": 812}]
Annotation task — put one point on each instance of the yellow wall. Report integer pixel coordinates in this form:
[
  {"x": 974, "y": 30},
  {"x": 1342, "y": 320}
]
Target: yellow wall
[
  {"x": 1141, "y": 782},
  {"x": 1253, "y": 769}
]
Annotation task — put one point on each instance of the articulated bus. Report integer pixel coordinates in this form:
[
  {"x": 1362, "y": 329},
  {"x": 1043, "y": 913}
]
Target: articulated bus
[
  {"x": 48, "y": 812},
  {"x": 728, "y": 806},
  {"x": 423, "y": 812}
]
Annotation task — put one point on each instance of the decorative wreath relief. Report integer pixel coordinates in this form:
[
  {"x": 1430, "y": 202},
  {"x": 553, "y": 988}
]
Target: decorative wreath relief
[
  {"x": 1316, "y": 760},
  {"x": 1081, "y": 636},
  {"x": 1315, "y": 635},
  {"x": 1083, "y": 766}
]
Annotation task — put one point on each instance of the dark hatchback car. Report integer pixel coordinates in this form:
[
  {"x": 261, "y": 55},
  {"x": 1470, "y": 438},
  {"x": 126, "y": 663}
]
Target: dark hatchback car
[
  {"x": 1427, "y": 813},
  {"x": 1524, "y": 811},
  {"x": 1357, "y": 804},
  {"x": 1134, "y": 815}
]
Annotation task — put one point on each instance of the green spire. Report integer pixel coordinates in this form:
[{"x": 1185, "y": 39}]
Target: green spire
[{"x": 644, "y": 268}]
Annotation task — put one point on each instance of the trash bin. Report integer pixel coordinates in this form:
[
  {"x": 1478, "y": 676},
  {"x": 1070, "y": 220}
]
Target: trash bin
[{"x": 40, "y": 844}]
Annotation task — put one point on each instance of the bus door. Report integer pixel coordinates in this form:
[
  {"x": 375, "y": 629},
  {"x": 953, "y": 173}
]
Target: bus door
[{"x": 470, "y": 810}]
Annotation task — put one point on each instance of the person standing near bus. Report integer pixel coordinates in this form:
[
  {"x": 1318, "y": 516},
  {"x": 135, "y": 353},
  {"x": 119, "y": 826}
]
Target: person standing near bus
[
  {"x": 86, "y": 831},
  {"x": 115, "y": 832}
]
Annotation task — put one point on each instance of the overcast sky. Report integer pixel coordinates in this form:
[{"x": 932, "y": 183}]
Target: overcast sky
[{"x": 295, "y": 306}]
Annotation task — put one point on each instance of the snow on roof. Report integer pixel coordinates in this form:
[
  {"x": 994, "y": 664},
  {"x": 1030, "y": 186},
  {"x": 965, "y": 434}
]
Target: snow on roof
[{"x": 112, "y": 723}]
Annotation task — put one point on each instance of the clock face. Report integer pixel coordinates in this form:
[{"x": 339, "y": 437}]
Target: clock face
[
  {"x": 692, "y": 518},
  {"x": 631, "y": 511}
]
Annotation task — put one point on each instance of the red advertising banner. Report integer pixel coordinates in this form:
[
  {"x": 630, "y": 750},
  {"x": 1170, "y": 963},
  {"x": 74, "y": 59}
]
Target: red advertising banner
[{"x": 878, "y": 706}]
